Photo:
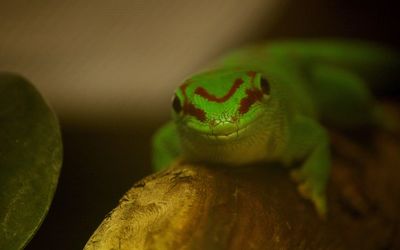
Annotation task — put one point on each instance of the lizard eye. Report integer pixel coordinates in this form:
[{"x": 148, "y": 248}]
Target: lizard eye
[
  {"x": 176, "y": 104},
  {"x": 264, "y": 84}
]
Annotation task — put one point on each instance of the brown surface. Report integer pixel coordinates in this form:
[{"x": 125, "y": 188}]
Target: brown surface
[{"x": 254, "y": 207}]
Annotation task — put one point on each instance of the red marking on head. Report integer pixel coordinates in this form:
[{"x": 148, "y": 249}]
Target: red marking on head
[
  {"x": 252, "y": 75},
  {"x": 188, "y": 108},
  {"x": 212, "y": 98},
  {"x": 253, "y": 95}
]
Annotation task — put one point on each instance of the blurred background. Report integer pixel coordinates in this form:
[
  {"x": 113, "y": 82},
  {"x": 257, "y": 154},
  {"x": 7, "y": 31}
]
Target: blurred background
[{"x": 109, "y": 69}]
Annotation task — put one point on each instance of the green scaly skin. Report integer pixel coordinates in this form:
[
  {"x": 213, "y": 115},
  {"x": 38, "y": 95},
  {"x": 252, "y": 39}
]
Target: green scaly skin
[{"x": 265, "y": 103}]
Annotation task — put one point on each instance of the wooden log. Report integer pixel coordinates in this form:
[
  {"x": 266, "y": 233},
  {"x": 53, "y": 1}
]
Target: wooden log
[{"x": 258, "y": 207}]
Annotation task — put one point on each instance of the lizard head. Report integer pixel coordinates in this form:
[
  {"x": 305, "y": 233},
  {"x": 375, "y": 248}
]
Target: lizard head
[{"x": 221, "y": 104}]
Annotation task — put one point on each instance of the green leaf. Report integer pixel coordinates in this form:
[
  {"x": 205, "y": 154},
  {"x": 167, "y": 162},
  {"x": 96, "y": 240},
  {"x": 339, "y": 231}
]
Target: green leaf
[{"x": 30, "y": 160}]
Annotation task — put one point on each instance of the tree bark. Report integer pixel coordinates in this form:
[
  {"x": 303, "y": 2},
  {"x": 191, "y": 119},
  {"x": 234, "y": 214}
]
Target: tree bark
[{"x": 191, "y": 206}]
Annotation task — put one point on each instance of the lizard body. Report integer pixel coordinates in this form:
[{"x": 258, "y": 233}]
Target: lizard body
[{"x": 266, "y": 103}]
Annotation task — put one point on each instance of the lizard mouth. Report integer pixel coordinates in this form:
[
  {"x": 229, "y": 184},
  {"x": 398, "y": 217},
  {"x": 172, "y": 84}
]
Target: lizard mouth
[
  {"x": 228, "y": 134},
  {"x": 228, "y": 131}
]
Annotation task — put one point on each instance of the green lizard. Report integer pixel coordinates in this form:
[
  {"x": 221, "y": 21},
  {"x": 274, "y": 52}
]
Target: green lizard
[{"x": 267, "y": 102}]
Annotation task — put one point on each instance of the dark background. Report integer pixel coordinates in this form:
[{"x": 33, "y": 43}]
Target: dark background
[{"x": 104, "y": 157}]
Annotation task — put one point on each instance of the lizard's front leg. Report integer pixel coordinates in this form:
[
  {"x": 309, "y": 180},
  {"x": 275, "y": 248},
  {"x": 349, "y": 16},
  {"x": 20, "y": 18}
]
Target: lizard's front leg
[
  {"x": 309, "y": 143},
  {"x": 166, "y": 146}
]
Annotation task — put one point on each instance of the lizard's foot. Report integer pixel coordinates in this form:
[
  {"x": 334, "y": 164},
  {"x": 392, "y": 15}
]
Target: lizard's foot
[{"x": 311, "y": 188}]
